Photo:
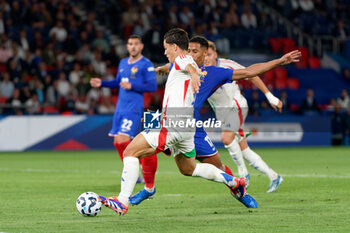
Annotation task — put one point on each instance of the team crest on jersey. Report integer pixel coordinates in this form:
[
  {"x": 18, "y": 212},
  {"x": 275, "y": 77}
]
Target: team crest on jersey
[
  {"x": 202, "y": 75},
  {"x": 134, "y": 70}
]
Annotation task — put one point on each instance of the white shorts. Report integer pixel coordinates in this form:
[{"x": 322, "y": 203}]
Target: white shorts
[
  {"x": 233, "y": 118},
  {"x": 178, "y": 142}
]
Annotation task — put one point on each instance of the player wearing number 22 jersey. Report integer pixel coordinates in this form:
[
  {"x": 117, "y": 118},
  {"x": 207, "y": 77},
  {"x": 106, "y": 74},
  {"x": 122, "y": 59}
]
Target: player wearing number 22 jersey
[{"x": 129, "y": 109}]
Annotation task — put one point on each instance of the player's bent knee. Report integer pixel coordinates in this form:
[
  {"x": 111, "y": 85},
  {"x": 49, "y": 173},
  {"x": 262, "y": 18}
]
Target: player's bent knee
[
  {"x": 227, "y": 137},
  {"x": 120, "y": 138},
  {"x": 186, "y": 171}
]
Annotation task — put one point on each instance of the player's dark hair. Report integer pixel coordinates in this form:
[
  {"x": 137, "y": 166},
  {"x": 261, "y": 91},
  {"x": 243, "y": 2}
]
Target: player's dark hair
[
  {"x": 200, "y": 40},
  {"x": 134, "y": 36},
  {"x": 177, "y": 36}
]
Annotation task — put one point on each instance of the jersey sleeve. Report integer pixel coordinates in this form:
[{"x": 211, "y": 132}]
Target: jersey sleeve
[
  {"x": 182, "y": 61},
  {"x": 225, "y": 74},
  {"x": 113, "y": 83},
  {"x": 149, "y": 82}
]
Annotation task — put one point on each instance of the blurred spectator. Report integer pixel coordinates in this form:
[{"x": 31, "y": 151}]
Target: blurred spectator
[
  {"x": 42, "y": 70},
  {"x": 5, "y": 52},
  {"x": 248, "y": 19},
  {"x": 186, "y": 15},
  {"x": 343, "y": 100},
  {"x": 309, "y": 104},
  {"x": 15, "y": 103},
  {"x": 82, "y": 105},
  {"x": 285, "y": 102},
  {"x": 306, "y": 5},
  {"x": 6, "y": 86},
  {"x": 94, "y": 94},
  {"x": 100, "y": 41},
  {"x": 254, "y": 104},
  {"x": 346, "y": 74},
  {"x": 111, "y": 58},
  {"x": 92, "y": 107},
  {"x": 265, "y": 109},
  {"x": 106, "y": 107},
  {"x": 33, "y": 105},
  {"x": 23, "y": 41},
  {"x": 70, "y": 45},
  {"x": 173, "y": 14},
  {"x": 39, "y": 90},
  {"x": 59, "y": 33},
  {"x": 82, "y": 87},
  {"x": 341, "y": 31},
  {"x": 337, "y": 126},
  {"x": 129, "y": 18},
  {"x": 98, "y": 64},
  {"x": 63, "y": 86},
  {"x": 320, "y": 7},
  {"x": 2, "y": 23},
  {"x": 14, "y": 69},
  {"x": 37, "y": 42},
  {"x": 69, "y": 103},
  {"x": 52, "y": 95},
  {"x": 75, "y": 74},
  {"x": 231, "y": 18},
  {"x": 332, "y": 104}
]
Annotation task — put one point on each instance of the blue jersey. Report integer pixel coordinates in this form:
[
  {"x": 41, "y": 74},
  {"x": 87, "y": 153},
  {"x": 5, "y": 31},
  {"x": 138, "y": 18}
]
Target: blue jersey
[
  {"x": 142, "y": 77},
  {"x": 212, "y": 77}
]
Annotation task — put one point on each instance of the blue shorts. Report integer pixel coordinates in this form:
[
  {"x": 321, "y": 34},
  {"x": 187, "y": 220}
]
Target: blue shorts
[
  {"x": 204, "y": 146},
  {"x": 127, "y": 123}
]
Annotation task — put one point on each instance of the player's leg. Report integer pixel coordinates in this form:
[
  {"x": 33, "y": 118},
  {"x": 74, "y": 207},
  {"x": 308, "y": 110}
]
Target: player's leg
[
  {"x": 259, "y": 164},
  {"x": 206, "y": 152},
  {"x": 233, "y": 121},
  {"x": 120, "y": 142},
  {"x": 229, "y": 140},
  {"x": 188, "y": 167},
  {"x": 137, "y": 149}
]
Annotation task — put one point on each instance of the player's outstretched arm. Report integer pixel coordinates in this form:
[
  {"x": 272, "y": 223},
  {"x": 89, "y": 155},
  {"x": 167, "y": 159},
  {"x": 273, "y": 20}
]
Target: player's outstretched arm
[
  {"x": 260, "y": 68},
  {"x": 163, "y": 70},
  {"x": 273, "y": 100},
  {"x": 195, "y": 80}
]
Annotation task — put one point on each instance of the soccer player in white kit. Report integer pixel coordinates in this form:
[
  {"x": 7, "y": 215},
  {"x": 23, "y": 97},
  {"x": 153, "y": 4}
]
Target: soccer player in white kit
[
  {"x": 182, "y": 84},
  {"x": 231, "y": 108}
]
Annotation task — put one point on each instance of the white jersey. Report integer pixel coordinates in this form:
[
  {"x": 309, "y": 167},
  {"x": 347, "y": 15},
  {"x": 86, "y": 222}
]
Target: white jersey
[
  {"x": 223, "y": 96},
  {"x": 230, "y": 106},
  {"x": 177, "y": 105},
  {"x": 178, "y": 91}
]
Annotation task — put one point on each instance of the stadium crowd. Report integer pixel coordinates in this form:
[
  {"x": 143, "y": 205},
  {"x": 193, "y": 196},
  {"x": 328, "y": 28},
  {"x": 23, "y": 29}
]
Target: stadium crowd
[{"x": 49, "y": 50}]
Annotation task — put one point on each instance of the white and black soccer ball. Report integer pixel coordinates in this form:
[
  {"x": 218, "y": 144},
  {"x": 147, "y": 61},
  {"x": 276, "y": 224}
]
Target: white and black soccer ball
[{"x": 88, "y": 204}]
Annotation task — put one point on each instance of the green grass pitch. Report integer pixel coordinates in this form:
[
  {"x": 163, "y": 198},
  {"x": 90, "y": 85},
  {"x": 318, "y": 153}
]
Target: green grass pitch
[{"x": 39, "y": 190}]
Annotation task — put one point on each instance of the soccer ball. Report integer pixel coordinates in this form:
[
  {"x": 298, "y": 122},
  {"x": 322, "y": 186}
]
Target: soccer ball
[{"x": 88, "y": 204}]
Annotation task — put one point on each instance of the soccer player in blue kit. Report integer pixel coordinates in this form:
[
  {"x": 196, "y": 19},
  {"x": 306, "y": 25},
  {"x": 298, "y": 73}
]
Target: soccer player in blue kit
[
  {"x": 212, "y": 77},
  {"x": 135, "y": 77},
  {"x": 182, "y": 144}
]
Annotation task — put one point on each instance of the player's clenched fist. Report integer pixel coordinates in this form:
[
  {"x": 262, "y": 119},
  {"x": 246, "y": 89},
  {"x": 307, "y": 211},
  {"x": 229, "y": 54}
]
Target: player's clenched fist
[{"x": 95, "y": 82}]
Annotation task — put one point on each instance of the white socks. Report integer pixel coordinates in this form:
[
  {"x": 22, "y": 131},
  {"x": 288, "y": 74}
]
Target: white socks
[
  {"x": 235, "y": 151},
  {"x": 255, "y": 161},
  {"x": 129, "y": 178},
  {"x": 210, "y": 172}
]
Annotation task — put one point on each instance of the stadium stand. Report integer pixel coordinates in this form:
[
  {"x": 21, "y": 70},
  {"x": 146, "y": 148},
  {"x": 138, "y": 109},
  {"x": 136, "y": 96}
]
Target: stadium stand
[{"x": 50, "y": 49}]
